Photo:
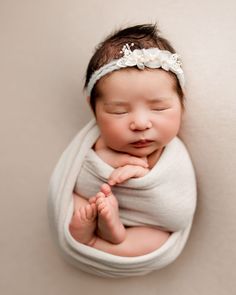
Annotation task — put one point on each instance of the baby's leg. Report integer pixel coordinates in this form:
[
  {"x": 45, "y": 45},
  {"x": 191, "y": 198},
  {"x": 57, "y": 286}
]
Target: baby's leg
[
  {"x": 138, "y": 241},
  {"x": 114, "y": 238},
  {"x": 83, "y": 223},
  {"x": 110, "y": 227}
]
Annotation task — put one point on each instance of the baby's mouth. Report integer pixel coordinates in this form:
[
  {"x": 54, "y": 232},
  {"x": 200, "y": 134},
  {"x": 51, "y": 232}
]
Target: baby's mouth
[{"x": 142, "y": 143}]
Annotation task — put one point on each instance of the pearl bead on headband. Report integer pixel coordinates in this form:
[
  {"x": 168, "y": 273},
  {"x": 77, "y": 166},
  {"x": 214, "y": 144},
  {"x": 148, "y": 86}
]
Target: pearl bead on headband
[{"x": 152, "y": 58}]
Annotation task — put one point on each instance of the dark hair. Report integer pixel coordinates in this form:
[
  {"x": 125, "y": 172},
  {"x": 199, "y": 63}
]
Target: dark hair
[{"x": 142, "y": 36}]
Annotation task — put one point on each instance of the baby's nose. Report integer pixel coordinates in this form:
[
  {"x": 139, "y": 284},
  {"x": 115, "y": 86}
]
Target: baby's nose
[{"x": 140, "y": 122}]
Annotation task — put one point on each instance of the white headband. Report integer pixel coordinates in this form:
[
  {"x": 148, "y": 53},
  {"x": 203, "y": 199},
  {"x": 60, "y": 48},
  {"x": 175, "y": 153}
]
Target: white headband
[{"x": 152, "y": 58}]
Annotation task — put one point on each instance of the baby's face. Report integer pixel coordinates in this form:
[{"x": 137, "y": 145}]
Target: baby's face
[{"x": 138, "y": 111}]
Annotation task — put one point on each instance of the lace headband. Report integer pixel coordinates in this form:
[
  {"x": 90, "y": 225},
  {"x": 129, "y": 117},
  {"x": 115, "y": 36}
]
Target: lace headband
[{"x": 152, "y": 58}]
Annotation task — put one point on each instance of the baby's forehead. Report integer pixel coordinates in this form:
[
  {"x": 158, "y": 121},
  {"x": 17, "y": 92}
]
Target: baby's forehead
[{"x": 131, "y": 79}]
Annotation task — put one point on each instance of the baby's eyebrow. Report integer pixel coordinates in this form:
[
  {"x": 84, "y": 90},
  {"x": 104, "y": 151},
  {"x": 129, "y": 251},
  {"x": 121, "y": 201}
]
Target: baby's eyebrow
[
  {"x": 115, "y": 103},
  {"x": 159, "y": 99}
]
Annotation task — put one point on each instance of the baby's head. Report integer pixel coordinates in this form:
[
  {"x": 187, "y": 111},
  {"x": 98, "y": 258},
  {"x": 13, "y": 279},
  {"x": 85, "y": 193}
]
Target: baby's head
[{"x": 123, "y": 44}]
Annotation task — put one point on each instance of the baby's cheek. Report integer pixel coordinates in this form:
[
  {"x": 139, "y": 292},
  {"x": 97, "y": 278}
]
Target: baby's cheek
[
  {"x": 170, "y": 128},
  {"x": 115, "y": 131}
]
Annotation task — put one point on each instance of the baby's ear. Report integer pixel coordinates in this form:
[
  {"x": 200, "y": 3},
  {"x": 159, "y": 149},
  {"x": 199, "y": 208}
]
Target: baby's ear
[{"x": 88, "y": 99}]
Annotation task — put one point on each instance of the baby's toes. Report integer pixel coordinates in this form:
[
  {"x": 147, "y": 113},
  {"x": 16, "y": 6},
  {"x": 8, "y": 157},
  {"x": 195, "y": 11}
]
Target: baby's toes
[
  {"x": 94, "y": 210},
  {"x": 90, "y": 211},
  {"x": 100, "y": 197},
  {"x": 101, "y": 205},
  {"x": 104, "y": 211},
  {"x": 106, "y": 189},
  {"x": 93, "y": 200}
]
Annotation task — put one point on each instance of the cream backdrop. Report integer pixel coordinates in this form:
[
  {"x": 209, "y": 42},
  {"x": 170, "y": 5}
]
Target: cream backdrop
[{"x": 44, "y": 49}]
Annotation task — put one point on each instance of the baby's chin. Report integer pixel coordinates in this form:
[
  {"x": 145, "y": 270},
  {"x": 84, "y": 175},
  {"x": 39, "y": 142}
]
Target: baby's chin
[{"x": 141, "y": 153}]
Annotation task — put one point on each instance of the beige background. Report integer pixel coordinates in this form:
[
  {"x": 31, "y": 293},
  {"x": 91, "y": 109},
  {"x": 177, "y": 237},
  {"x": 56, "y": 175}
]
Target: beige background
[{"x": 44, "y": 49}]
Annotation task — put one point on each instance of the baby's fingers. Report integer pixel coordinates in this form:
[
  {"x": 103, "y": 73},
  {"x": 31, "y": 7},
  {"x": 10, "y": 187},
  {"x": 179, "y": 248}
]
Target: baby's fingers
[
  {"x": 131, "y": 160},
  {"x": 115, "y": 176},
  {"x": 122, "y": 174}
]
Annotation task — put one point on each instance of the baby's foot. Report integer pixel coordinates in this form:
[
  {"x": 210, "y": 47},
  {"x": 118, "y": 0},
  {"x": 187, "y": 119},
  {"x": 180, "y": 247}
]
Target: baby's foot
[
  {"x": 110, "y": 227},
  {"x": 83, "y": 224}
]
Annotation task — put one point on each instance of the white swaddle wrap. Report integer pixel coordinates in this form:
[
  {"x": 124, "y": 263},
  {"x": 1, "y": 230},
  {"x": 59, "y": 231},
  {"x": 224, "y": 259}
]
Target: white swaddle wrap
[{"x": 165, "y": 197}]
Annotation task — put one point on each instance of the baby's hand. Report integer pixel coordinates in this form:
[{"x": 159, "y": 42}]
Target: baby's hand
[
  {"x": 126, "y": 172},
  {"x": 116, "y": 159}
]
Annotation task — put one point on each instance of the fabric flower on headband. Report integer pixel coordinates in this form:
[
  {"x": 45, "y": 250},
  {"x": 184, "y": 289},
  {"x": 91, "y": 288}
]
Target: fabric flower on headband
[{"x": 150, "y": 58}]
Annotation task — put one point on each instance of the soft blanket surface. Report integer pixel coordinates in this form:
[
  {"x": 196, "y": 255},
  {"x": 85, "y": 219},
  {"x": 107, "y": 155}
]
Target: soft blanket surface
[{"x": 165, "y": 198}]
